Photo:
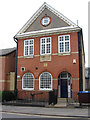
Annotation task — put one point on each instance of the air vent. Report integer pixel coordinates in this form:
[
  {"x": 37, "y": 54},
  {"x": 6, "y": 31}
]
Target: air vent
[{"x": 22, "y": 69}]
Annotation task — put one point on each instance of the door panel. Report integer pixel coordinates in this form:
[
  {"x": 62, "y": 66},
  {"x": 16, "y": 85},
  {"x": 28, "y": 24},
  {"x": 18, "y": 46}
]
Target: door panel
[{"x": 64, "y": 91}]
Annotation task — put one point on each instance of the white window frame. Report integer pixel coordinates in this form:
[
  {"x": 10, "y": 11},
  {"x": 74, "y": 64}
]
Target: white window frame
[
  {"x": 28, "y": 46},
  {"x": 64, "y": 43},
  {"x": 40, "y": 82},
  {"x": 28, "y": 88},
  {"x": 45, "y": 46}
]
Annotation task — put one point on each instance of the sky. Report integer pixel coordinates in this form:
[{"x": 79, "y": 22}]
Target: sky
[{"x": 15, "y": 13}]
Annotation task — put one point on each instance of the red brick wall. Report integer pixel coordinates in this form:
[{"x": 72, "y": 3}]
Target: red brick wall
[
  {"x": 7, "y": 65},
  {"x": 57, "y": 64}
]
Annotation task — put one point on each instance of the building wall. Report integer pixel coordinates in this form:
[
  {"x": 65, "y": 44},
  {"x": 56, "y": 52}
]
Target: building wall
[
  {"x": 58, "y": 63},
  {"x": 7, "y": 65}
]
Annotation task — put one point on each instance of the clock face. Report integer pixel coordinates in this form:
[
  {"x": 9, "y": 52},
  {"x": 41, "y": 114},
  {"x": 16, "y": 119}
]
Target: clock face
[{"x": 45, "y": 21}]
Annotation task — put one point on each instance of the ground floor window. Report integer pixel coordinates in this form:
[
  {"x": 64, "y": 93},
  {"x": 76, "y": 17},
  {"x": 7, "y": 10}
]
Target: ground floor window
[
  {"x": 45, "y": 81},
  {"x": 28, "y": 81}
]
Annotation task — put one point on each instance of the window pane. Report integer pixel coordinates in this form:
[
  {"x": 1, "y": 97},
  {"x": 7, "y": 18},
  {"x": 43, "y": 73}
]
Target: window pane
[
  {"x": 61, "y": 38},
  {"x": 31, "y": 42},
  {"x": 48, "y": 40},
  {"x": 63, "y": 75},
  {"x": 26, "y": 50},
  {"x": 43, "y": 49},
  {"x": 64, "y": 43},
  {"x": 26, "y": 42},
  {"x": 45, "y": 81},
  {"x": 46, "y": 21},
  {"x": 66, "y": 38},
  {"x": 30, "y": 50},
  {"x": 45, "y": 45},
  {"x": 28, "y": 81},
  {"x": 28, "y": 47},
  {"x": 61, "y": 46},
  {"x": 66, "y": 46},
  {"x": 43, "y": 40},
  {"x": 48, "y": 48}
]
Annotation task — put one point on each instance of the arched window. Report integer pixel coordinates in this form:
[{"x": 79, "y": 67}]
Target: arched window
[
  {"x": 45, "y": 81},
  {"x": 28, "y": 81}
]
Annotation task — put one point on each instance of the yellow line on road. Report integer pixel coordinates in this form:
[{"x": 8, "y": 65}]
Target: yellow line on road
[{"x": 48, "y": 116}]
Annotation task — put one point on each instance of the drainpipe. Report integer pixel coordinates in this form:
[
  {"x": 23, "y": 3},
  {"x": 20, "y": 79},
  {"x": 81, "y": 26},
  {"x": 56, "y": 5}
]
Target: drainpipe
[
  {"x": 16, "y": 40},
  {"x": 80, "y": 61}
]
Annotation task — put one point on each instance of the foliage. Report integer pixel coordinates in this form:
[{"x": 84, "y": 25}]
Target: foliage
[{"x": 7, "y": 96}]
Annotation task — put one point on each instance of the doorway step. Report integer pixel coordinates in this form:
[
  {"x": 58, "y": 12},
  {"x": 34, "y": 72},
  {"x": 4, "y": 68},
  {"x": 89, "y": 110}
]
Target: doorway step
[{"x": 61, "y": 102}]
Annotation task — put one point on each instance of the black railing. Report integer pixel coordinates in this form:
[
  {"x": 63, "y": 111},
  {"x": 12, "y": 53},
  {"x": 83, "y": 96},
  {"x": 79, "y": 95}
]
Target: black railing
[
  {"x": 49, "y": 97},
  {"x": 41, "y": 97}
]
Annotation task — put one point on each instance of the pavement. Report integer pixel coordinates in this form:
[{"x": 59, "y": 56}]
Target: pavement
[{"x": 71, "y": 112}]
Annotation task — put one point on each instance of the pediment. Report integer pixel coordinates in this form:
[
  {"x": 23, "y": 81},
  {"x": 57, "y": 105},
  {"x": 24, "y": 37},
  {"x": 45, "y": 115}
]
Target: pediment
[{"x": 58, "y": 20}]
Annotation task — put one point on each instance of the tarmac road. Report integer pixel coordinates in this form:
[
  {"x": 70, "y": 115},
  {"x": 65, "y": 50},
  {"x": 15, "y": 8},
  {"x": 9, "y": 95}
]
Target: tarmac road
[
  {"x": 47, "y": 111},
  {"x": 19, "y": 116},
  {"x": 42, "y": 113}
]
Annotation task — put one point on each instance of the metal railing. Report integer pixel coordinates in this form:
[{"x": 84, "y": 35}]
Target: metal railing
[{"x": 49, "y": 97}]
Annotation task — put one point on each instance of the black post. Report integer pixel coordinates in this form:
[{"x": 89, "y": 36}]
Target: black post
[
  {"x": 16, "y": 40},
  {"x": 80, "y": 61}
]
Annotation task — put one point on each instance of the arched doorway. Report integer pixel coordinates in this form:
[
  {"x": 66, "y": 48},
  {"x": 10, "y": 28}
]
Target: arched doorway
[{"x": 64, "y": 85}]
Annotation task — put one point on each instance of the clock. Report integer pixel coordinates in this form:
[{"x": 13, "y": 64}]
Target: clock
[{"x": 45, "y": 21}]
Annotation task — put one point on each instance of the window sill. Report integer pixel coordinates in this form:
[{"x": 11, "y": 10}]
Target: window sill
[
  {"x": 45, "y": 54},
  {"x": 28, "y": 89},
  {"x": 63, "y": 54},
  {"x": 45, "y": 89},
  {"x": 30, "y": 56}
]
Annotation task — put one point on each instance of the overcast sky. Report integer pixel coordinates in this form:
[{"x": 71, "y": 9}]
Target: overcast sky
[{"x": 15, "y": 13}]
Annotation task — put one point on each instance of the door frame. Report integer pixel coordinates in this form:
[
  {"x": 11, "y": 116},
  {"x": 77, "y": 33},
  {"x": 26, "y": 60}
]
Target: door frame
[{"x": 69, "y": 82}]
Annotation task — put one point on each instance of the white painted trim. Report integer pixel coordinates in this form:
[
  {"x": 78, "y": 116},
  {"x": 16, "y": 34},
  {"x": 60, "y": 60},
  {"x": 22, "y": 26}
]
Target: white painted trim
[
  {"x": 48, "y": 32},
  {"x": 63, "y": 54}
]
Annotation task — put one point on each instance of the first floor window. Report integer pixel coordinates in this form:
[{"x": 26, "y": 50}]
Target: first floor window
[
  {"x": 28, "y": 81},
  {"x": 45, "y": 81},
  {"x": 45, "y": 47},
  {"x": 29, "y": 47},
  {"x": 64, "y": 43}
]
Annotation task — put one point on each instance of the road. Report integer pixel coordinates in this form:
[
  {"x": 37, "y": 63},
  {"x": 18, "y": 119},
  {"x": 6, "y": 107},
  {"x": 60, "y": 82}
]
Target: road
[
  {"x": 46, "y": 111},
  {"x": 39, "y": 113},
  {"x": 23, "y": 116}
]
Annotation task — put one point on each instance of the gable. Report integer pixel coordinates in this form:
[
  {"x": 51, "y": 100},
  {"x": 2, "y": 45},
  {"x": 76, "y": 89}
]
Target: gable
[{"x": 56, "y": 22}]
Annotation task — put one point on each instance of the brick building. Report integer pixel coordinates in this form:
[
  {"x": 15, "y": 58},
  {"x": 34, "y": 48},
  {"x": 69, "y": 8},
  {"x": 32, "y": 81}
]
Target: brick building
[
  {"x": 7, "y": 69},
  {"x": 50, "y": 54}
]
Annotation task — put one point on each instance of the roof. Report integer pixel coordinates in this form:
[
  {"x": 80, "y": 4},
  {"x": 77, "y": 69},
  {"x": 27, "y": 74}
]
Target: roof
[
  {"x": 22, "y": 32},
  {"x": 4, "y": 52}
]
